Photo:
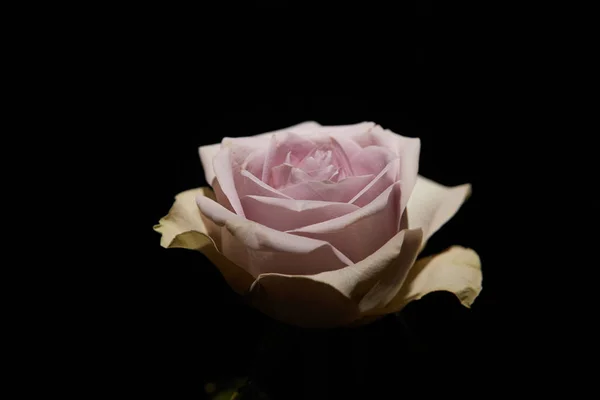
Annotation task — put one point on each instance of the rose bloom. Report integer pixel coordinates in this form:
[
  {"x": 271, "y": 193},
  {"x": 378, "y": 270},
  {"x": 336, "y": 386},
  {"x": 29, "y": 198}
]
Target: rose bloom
[{"x": 321, "y": 226}]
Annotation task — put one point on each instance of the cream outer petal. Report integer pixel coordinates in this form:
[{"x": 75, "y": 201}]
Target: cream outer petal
[
  {"x": 456, "y": 270},
  {"x": 431, "y": 205},
  {"x": 184, "y": 227}
]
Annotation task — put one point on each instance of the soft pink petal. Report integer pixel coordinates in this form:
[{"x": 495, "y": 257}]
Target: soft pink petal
[
  {"x": 282, "y": 214},
  {"x": 260, "y": 249},
  {"x": 208, "y": 152},
  {"x": 341, "y": 191},
  {"x": 409, "y": 153},
  {"x": 344, "y": 131},
  {"x": 224, "y": 171},
  {"x": 342, "y": 159},
  {"x": 335, "y": 298},
  {"x": 362, "y": 232},
  {"x": 309, "y": 163},
  {"x": 255, "y": 161},
  {"x": 299, "y": 176},
  {"x": 281, "y": 175},
  {"x": 372, "y": 160},
  {"x": 234, "y": 181},
  {"x": 404, "y": 169},
  {"x": 249, "y": 185},
  {"x": 279, "y": 148},
  {"x": 388, "y": 176},
  {"x": 221, "y": 197},
  {"x": 349, "y": 146},
  {"x": 395, "y": 142},
  {"x": 261, "y": 141},
  {"x": 431, "y": 205},
  {"x": 285, "y": 174},
  {"x": 323, "y": 174}
]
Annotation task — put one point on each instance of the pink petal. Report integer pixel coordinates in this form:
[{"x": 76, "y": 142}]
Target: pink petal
[
  {"x": 338, "y": 297},
  {"x": 309, "y": 164},
  {"x": 260, "y": 249},
  {"x": 299, "y": 176},
  {"x": 234, "y": 181},
  {"x": 323, "y": 174},
  {"x": 279, "y": 147},
  {"x": 388, "y": 176},
  {"x": 282, "y": 214},
  {"x": 208, "y": 152},
  {"x": 379, "y": 220},
  {"x": 372, "y": 160},
  {"x": 431, "y": 205},
  {"x": 281, "y": 175},
  {"x": 224, "y": 171},
  {"x": 349, "y": 146},
  {"x": 249, "y": 185},
  {"x": 254, "y": 162},
  {"x": 353, "y": 131},
  {"x": 261, "y": 141},
  {"x": 341, "y": 191},
  {"x": 398, "y": 144},
  {"x": 407, "y": 170}
]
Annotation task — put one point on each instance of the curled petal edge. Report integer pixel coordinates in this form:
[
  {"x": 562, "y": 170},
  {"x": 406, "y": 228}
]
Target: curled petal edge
[
  {"x": 456, "y": 270},
  {"x": 339, "y": 297},
  {"x": 184, "y": 227}
]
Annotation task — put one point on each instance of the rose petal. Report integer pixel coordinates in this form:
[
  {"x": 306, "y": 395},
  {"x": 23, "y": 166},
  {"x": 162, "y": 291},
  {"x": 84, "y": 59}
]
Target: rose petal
[
  {"x": 208, "y": 152},
  {"x": 456, "y": 270},
  {"x": 405, "y": 170},
  {"x": 380, "y": 219},
  {"x": 341, "y": 191},
  {"x": 348, "y": 146},
  {"x": 371, "y": 160},
  {"x": 332, "y": 298},
  {"x": 282, "y": 214},
  {"x": 250, "y": 185},
  {"x": 259, "y": 249},
  {"x": 387, "y": 177},
  {"x": 254, "y": 162},
  {"x": 279, "y": 147},
  {"x": 261, "y": 140},
  {"x": 353, "y": 131},
  {"x": 234, "y": 181},
  {"x": 281, "y": 174},
  {"x": 224, "y": 171},
  {"x": 184, "y": 227},
  {"x": 431, "y": 205}
]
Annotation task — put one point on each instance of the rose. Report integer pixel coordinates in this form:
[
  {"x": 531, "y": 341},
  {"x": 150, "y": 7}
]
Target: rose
[{"x": 320, "y": 226}]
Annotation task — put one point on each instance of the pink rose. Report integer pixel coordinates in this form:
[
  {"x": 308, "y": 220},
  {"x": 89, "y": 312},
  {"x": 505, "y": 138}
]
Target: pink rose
[{"x": 321, "y": 226}]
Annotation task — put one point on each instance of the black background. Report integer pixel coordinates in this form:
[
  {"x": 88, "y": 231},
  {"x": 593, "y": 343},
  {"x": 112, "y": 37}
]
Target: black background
[{"x": 190, "y": 328}]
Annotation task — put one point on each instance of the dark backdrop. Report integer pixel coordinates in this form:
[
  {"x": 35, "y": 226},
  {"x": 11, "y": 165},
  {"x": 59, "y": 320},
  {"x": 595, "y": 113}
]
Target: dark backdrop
[{"x": 190, "y": 328}]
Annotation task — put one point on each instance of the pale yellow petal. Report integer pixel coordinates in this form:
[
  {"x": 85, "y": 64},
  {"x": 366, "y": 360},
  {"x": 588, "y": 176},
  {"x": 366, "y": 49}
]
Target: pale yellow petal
[
  {"x": 456, "y": 270},
  {"x": 431, "y": 205},
  {"x": 185, "y": 227}
]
